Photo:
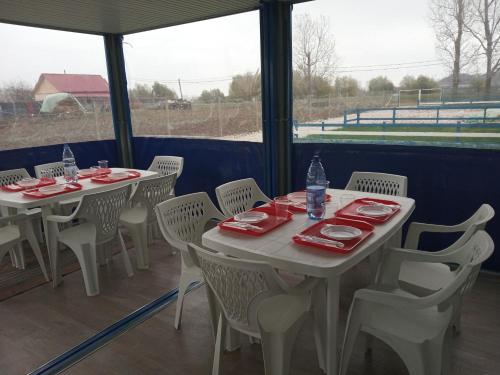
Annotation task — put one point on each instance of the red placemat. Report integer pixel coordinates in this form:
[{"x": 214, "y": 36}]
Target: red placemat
[
  {"x": 267, "y": 225},
  {"x": 44, "y": 181},
  {"x": 349, "y": 245},
  {"x": 299, "y": 206},
  {"x": 350, "y": 212},
  {"x": 99, "y": 172},
  {"x": 35, "y": 193},
  {"x": 107, "y": 180}
]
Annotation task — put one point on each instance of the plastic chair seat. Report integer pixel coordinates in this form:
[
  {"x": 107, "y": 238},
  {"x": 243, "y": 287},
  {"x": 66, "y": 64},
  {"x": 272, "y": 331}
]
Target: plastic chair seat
[
  {"x": 279, "y": 313},
  {"x": 420, "y": 277},
  {"x": 135, "y": 215},
  {"x": 80, "y": 234},
  {"x": 9, "y": 234}
]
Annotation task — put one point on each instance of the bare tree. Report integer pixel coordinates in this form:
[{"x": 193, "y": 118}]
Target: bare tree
[
  {"x": 449, "y": 19},
  {"x": 314, "y": 48},
  {"x": 485, "y": 29},
  {"x": 19, "y": 91}
]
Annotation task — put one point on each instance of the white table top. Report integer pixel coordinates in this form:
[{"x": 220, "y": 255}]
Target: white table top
[
  {"x": 18, "y": 200},
  {"x": 278, "y": 249}
]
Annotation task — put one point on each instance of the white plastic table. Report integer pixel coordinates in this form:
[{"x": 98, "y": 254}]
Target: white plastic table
[
  {"x": 278, "y": 249},
  {"x": 16, "y": 200}
]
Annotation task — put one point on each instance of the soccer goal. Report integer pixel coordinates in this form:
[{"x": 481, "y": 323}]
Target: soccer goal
[{"x": 413, "y": 98}]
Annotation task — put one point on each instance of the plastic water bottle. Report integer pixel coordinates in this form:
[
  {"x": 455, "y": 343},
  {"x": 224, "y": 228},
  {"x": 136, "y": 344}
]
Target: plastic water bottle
[
  {"x": 70, "y": 168},
  {"x": 316, "y": 189}
]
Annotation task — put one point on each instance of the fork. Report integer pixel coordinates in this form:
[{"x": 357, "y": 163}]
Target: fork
[{"x": 321, "y": 240}]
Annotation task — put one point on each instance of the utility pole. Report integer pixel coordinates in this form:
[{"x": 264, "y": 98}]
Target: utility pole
[{"x": 180, "y": 87}]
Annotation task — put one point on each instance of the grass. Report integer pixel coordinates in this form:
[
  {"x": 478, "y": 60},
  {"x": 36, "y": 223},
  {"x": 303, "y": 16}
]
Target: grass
[
  {"x": 388, "y": 129},
  {"x": 429, "y": 139}
]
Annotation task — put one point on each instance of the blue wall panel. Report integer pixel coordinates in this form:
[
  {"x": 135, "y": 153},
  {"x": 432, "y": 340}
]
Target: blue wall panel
[
  {"x": 86, "y": 155},
  {"x": 207, "y": 163},
  {"x": 448, "y": 184}
]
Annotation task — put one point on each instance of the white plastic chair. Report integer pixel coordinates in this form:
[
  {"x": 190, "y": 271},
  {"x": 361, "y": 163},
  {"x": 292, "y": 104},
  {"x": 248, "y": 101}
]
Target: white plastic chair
[
  {"x": 239, "y": 196},
  {"x": 413, "y": 326},
  {"x": 254, "y": 300},
  {"x": 422, "y": 278},
  {"x": 55, "y": 169},
  {"x": 380, "y": 183},
  {"x": 141, "y": 214},
  {"x": 182, "y": 220},
  {"x": 13, "y": 231},
  {"x": 9, "y": 177},
  {"x": 166, "y": 165},
  {"x": 98, "y": 215}
]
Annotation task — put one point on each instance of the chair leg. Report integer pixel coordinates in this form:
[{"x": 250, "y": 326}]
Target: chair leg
[
  {"x": 319, "y": 317},
  {"x": 139, "y": 235},
  {"x": 31, "y": 237},
  {"x": 184, "y": 282},
  {"x": 277, "y": 349},
  {"x": 37, "y": 228},
  {"x": 19, "y": 257},
  {"x": 351, "y": 333},
  {"x": 126, "y": 258},
  {"x": 87, "y": 258},
  {"x": 219, "y": 345}
]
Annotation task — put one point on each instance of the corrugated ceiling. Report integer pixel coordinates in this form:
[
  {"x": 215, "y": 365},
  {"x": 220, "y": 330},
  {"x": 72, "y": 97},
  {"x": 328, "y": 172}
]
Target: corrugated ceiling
[{"x": 117, "y": 16}]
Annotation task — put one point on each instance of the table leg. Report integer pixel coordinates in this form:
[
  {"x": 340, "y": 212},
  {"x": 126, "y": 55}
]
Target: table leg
[
  {"x": 50, "y": 231},
  {"x": 332, "y": 319}
]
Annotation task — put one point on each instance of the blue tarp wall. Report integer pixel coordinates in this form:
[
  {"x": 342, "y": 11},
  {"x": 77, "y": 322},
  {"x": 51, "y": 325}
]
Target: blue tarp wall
[{"x": 448, "y": 184}]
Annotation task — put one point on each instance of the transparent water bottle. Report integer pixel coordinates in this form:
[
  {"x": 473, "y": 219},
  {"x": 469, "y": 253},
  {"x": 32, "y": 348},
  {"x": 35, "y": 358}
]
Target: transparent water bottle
[
  {"x": 70, "y": 168},
  {"x": 316, "y": 189}
]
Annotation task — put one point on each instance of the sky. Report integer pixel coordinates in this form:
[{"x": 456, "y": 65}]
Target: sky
[{"x": 383, "y": 37}]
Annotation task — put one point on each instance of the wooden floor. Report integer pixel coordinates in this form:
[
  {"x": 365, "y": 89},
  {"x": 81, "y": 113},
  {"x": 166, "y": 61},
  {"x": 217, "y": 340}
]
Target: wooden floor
[{"x": 43, "y": 322}]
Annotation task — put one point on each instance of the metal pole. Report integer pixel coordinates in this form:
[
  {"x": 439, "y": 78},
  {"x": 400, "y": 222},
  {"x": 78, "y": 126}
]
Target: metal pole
[
  {"x": 113, "y": 45},
  {"x": 277, "y": 103}
]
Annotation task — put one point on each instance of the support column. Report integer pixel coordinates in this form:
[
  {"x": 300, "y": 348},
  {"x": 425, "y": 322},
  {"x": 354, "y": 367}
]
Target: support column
[
  {"x": 277, "y": 102},
  {"x": 117, "y": 78}
]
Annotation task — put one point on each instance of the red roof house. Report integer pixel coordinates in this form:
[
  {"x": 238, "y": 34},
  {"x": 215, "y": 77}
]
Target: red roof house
[{"x": 78, "y": 85}]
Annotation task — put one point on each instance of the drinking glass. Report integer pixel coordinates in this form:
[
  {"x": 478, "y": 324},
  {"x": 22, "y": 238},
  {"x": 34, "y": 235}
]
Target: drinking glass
[
  {"x": 103, "y": 163},
  {"x": 281, "y": 207}
]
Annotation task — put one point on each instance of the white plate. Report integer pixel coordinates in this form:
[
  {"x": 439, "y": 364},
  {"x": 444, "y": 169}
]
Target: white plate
[
  {"x": 374, "y": 210},
  {"x": 28, "y": 182},
  {"x": 299, "y": 197},
  {"x": 51, "y": 189},
  {"x": 251, "y": 217},
  {"x": 118, "y": 175},
  {"x": 340, "y": 232}
]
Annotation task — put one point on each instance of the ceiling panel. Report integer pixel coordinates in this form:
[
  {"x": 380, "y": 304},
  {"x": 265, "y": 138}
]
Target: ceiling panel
[{"x": 116, "y": 16}]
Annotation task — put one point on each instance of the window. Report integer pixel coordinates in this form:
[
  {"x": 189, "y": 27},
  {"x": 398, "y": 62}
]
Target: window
[
  {"x": 197, "y": 80},
  {"x": 53, "y": 88},
  {"x": 360, "y": 78}
]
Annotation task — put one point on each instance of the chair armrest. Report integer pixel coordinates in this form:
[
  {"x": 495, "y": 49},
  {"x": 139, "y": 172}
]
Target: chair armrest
[
  {"x": 60, "y": 219},
  {"x": 416, "y": 229},
  {"x": 388, "y": 298}
]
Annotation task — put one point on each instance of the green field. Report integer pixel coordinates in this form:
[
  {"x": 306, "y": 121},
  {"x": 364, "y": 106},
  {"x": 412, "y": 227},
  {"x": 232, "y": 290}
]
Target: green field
[{"x": 388, "y": 129}]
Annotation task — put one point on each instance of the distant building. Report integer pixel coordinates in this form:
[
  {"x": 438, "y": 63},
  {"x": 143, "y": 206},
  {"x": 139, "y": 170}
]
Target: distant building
[{"x": 85, "y": 87}]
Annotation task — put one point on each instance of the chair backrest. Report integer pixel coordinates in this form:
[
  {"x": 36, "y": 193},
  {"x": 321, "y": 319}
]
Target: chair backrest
[
  {"x": 12, "y": 175},
  {"x": 239, "y": 196},
  {"x": 381, "y": 183},
  {"x": 239, "y": 285},
  {"x": 166, "y": 165},
  {"x": 474, "y": 223},
  {"x": 152, "y": 191},
  {"x": 183, "y": 219},
  {"x": 103, "y": 210},
  {"x": 55, "y": 169}
]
